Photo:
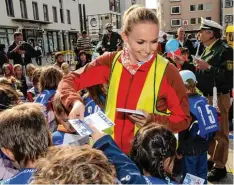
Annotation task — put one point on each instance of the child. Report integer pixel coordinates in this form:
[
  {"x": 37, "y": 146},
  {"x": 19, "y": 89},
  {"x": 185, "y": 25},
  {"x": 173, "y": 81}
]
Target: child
[
  {"x": 65, "y": 134},
  {"x": 48, "y": 83},
  {"x": 94, "y": 99},
  {"x": 30, "y": 68},
  {"x": 18, "y": 73},
  {"x": 24, "y": 137},
  {"x": 8, "y": 99},
  {"x": 65, "y": 68},
  {"x": 154, "y": 151},
  {"x": 34, "y": 91},
  {"x": 74, "y": 165},
  {"x": 59, "y": 59},
  {"x": 193, "y": 142},
  {"x": 7, "y": 70},
  {"x": 83, "y": 165}
]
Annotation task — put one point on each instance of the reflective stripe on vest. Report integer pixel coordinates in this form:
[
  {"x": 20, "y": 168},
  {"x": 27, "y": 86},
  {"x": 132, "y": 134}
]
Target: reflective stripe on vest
[{"x": 148, "y": 94}]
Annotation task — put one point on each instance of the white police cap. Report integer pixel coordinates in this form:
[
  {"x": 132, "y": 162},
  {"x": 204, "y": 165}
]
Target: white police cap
[{"x": 209, "y": 25}]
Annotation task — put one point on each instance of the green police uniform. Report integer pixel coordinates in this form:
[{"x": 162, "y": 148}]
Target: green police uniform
[{"x": 220, "y": 57}]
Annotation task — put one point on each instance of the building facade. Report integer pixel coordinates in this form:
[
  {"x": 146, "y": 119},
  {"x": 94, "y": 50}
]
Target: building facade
[
  {"x": 173, "y": 14},
  {"x": 52, "y": 23},
  {"x": 226, "y": 12}
]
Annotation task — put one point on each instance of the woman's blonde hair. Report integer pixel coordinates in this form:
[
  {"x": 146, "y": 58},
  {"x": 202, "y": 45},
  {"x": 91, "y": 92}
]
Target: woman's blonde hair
[
  {"x": 136, "y": 14},
  {"x": 74, "y": 165}
]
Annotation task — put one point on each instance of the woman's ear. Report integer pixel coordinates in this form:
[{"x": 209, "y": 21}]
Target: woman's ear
[
  {"x": 168, "y": 164},
  {"x": 124, "y": 37},
  {"x": 8, "y": 153}
]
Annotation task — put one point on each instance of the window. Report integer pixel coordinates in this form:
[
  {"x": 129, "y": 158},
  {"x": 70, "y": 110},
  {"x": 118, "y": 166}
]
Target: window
[
  {"x": 199, "y": 20},
  {"x": 228, "y": 3},
  {"x": 192, "y": 8},
  {"x": 175, "y": 10},
  {"x": 68, "y": 17},
  {"x": 114, "y": 5},
  {"x": 200, "y": 7},
  {"x": 61, "y": 15},
  {"x": 117, "y": 6},
  {"x": 23, "y": 9},
  {"x": 9, "y": 8},
  {"x": 175, "y": 22},
  {"x": 35, "y": 11},
  {"x": 228, "y": 18},
  {"x": 208, "y": 18},
  {"x": 46, "y": 13},
  {"x": 208, "y": 7},
  {"x": 193, "y": 21},
  {"x": 55, "y": 15}
]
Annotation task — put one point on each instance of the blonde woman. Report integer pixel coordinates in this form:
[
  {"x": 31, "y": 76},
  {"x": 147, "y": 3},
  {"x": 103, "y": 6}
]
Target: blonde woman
[{"x": 138, "y": 78}]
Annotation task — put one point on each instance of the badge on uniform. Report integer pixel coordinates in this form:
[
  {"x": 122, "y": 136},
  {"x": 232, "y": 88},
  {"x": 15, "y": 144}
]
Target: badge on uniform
[{"x": 229, "y": 65}]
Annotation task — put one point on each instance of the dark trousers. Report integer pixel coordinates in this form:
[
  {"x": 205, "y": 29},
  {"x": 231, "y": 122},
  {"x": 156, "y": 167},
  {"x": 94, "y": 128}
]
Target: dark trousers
[{"x": 195, "y": 165}]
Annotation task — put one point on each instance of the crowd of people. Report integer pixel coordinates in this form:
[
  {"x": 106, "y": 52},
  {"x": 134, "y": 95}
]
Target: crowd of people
[{"x": 176, "y": 93}]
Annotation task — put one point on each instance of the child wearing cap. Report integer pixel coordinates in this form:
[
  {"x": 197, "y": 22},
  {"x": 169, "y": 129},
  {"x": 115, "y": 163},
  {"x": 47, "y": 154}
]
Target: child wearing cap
[{"x": 193, "y": 142}]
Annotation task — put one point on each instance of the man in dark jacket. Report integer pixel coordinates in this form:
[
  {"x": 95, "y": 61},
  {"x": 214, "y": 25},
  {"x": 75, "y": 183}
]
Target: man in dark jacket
[
  {"x": 215, "y": 68},
  {"x": 20, "y": 51},
  {"x": 111, "y": 39}
]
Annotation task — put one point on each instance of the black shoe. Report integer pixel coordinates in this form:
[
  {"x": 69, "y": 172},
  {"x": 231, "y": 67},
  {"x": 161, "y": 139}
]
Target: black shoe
[
  {"x": 216, "y": 174},
  {"x": 210, "y": 165}
]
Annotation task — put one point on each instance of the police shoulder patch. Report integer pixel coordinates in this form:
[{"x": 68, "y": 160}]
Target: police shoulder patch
[{"x": 229, "y": 65}]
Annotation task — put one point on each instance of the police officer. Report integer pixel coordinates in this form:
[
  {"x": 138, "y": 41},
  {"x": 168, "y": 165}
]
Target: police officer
[
  {"x": 215, "y": 68},
  {"x": 111, "y": 39}
]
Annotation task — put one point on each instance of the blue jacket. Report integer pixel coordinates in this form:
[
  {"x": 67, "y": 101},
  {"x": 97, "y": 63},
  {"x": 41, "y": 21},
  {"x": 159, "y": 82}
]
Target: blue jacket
[
  {"x": 23, "y": 177},
  {"x": 127, "y": 171},
  {"x": 90, "y": 106}
]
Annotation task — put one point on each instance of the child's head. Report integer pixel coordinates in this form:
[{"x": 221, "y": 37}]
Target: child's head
[
  {"x": 8, "y": 96},
  {"x": 189, "y": 80},
  {"x": 30, "y": 68},
  {"x": 185, "y": 53},
  {"x": 97, "y": 93},
  {"x": 82, "y": 56},
  {"x": 36, "y": 76},
  {"x": 7, "y": 69},
  {"x": 61, "y": 113},
  {"x": 18, "y": 70},
  {"x": 24, "y": 133},
  {"x": 74, "y": 165},
  {"x": 154, "y": 150},
  {"x": 65, "y": 68},
  {"x": 50, "y": 78},
  {"x": 59, "y": 57}
]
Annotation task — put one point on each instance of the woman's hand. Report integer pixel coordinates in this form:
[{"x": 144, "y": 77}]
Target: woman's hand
[
  {"x": 77, "y": 111},
  {"x": 139, "y": 120}
]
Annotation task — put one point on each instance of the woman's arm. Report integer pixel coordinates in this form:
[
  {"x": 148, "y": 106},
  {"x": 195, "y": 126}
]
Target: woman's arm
[{"x": 95, "y": 72}]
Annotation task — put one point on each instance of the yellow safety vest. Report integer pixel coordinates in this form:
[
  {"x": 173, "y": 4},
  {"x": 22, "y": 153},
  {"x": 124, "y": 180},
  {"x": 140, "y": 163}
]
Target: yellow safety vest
[{"x": 149, "y": 92}]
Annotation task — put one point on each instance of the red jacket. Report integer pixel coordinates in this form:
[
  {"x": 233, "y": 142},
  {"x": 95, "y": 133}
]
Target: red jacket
[{"x": 172, "y": 95}]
